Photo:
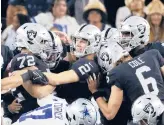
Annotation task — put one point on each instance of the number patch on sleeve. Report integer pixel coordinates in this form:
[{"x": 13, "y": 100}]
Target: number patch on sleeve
[
  {"x": 85, "y": 68},
  {"x": 30, "y": 61}
]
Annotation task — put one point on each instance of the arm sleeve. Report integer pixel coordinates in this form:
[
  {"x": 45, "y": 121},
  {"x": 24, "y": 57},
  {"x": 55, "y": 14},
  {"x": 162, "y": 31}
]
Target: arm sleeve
[
  {"x": 79, "y": 68},
  {"x": 114, "y": 80},
  {"x": 160, "y": 59},
  {"x": 84, "y": 68}
]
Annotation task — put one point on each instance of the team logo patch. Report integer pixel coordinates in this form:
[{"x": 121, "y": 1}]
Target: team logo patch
[
  {"x": 105, "y": 57},
  {"x": 149, "y": 108},
  {"x": 141, "y": 28},
  {"x": 31, "y": 36}
]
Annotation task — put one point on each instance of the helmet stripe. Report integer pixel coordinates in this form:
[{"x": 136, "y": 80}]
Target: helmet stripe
[
  {"x": 82, "y": 27},
  {"x": 106, "y": 33}
]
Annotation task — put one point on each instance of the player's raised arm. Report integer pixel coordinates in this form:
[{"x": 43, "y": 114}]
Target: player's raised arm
[
  {"x": 111, "y": 108},
  {"x": 65, "y": 77}
]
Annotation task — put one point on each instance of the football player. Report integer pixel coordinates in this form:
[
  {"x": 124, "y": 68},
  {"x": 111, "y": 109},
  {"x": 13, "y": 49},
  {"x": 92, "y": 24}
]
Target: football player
[
  {"x": 80, "y": 112},
  {"x": 110, "y": 35},
  {"x": 86, "y": 44},
  {"x": 133, "y": 79},
  {"x": 35, "y": 43},
  {"x": 135, "y": 36}
]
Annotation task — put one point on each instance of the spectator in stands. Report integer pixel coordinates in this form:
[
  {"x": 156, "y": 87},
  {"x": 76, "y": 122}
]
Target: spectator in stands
[
  {"x": 33, "y": 6},
  {"x": 8, "y": 35},
  {"x": 95, "y": 14},
  {"x": 155, "y": 12},
  {"x": 15, "y": 6},
  {"x": 136, "y": 8},
  {"x": 58, "y": 18},
  {"x": 79, "y": 8}
]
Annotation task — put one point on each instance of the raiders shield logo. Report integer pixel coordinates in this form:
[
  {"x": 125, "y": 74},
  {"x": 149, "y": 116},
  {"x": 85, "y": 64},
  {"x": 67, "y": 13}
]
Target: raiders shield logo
[
  {"x": 31, "y": 36},
  {"x": 149, "y": 109},
  {"x": 105, "y": 56},
  {"x": 141, "y": 28}
]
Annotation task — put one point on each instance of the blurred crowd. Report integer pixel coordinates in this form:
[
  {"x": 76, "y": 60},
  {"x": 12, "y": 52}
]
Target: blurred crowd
[{"x": 56, "y": 15}]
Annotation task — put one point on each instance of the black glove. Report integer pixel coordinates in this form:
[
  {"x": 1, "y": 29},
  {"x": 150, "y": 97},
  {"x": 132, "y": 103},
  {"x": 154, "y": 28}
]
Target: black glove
[{"x": 36, "y": 77}]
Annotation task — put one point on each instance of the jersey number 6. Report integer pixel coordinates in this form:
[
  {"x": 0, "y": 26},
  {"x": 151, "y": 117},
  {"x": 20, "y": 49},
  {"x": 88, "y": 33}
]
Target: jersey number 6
[{"x": 149, "y": 85}]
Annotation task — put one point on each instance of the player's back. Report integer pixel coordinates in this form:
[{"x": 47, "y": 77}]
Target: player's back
[
  {"x": 24, "y": 60},
  {"x": 21, "y": 61},
  {"x": 140, "y": 75},
  {"x": 50, "y": 114}
]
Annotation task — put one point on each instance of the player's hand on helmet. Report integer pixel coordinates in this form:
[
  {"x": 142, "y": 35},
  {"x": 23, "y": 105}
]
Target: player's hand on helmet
[
  {"x": 14, "y": 107},
  {"x": 63, "y": 37},
  {"x": 93, "y": 82},
  {"x": 36, "y": 77}
]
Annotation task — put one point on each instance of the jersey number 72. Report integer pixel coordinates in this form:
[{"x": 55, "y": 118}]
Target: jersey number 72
[{"x": 30, "y": 61}]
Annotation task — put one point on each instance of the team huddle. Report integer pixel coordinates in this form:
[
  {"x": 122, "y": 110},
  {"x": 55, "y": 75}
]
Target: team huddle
[{"x": 129, "y": 68}]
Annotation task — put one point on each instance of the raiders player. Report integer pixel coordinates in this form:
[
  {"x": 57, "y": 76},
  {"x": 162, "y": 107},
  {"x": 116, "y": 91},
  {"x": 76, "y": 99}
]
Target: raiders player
[
  {"x": 104, "y": 61},
  {"x": 135, "y": 37},
  {"x": 86, "y": 44},
  {"x": 30, "y": 40},
  {"x": 134, "y": 79}
]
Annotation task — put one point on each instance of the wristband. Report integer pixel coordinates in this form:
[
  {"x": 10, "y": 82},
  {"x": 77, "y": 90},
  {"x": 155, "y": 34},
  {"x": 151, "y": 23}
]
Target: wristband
[
  {"x": 98, "y": 94},
  {"x": 25, "y": 77},
  {"x": 68, "y": 48}
]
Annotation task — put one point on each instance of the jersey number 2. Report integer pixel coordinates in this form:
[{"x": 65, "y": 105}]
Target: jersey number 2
[
  {"x": 85, "y": 68},
  {"x": 149, "y": 85},
  {"x": 30, "y": 61}
]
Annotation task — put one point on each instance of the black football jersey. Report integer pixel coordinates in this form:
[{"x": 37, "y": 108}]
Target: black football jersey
[
  {"x": 24, "y": 60},
  {"x": 84, "y": 68},
  {"x": 139, "y": 76},
  {"x": 141, "y": 49},
  {"x": 19, "y": 62},
  {"x": 156, "y": 45}
]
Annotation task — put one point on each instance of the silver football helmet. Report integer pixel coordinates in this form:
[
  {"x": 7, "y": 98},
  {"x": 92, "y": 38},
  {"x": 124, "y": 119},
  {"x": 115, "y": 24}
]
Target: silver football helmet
[
  {"x": 89, "y": 34},
  {"x": 81, "y": 112},
  {"x": 109, "y": 35},
  {"x": 35, "y": 38},
  {"x": 147, "y": 108},
  {"x": 109, "y": 54},
  {"x": 135, "y": 31},
  {"x": 54, "y": 55}
]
